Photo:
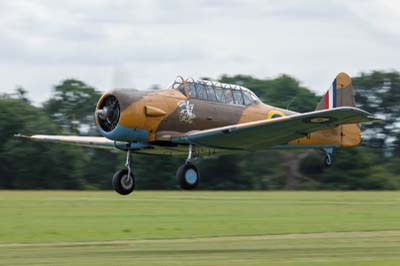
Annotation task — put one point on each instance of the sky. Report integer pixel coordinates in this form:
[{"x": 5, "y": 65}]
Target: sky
[{"x": 137, "y": 44}]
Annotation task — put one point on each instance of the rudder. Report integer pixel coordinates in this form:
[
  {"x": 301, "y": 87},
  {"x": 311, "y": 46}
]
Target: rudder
[{"x": 340, "y": 93}]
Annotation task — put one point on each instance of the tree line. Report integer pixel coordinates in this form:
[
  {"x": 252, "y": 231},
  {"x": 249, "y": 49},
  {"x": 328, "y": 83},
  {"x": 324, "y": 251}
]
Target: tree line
[{"x": 36, "y": 165}]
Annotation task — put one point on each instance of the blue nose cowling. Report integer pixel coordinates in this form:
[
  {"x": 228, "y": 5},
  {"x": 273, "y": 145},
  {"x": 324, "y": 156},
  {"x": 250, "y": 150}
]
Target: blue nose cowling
[
  {"x": 109, "y": 112},
  {"x": 120, "y": 133}
]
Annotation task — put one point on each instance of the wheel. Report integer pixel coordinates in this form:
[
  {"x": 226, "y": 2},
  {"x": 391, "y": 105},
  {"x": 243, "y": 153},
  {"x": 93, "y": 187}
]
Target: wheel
[
  {"x": 328, "y": 160},
  {"x": 188, "y": 176},
  {"x": 123, "y": 184}
]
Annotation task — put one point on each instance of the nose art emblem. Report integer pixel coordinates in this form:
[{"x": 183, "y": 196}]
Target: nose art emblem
[{"x": 186, "y": 114}]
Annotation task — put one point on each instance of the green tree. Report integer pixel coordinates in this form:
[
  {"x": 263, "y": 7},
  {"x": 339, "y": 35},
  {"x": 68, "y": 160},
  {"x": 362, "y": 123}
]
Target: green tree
[
  {"x": 27, "y": 164},
  {"x": 379, "y": 93},
  {"x": 72, "y": 106}
]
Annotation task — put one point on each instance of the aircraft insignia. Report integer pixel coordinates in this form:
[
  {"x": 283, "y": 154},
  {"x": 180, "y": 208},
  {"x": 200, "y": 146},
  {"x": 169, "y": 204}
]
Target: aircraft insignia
[{"x": 186, "y": 114}]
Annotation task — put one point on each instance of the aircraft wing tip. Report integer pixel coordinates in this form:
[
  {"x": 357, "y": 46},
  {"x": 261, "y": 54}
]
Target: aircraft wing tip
[
  {"x": 19, "y": 135},
  {"x": 374, "y": 119}
]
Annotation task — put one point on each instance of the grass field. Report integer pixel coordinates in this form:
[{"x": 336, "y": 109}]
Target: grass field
[{"x": 200, "y": 228}]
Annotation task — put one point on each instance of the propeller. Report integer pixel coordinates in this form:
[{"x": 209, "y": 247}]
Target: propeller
[{"x": 108, "y": 113}]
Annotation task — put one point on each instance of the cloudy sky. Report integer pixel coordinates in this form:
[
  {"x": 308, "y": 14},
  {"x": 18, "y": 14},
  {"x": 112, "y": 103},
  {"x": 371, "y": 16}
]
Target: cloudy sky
[{"x": 125, "y": 43}]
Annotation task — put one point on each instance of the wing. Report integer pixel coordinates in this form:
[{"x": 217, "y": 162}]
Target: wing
[
  {"x": 279, "y": 131},
  {"x": 93, "y": 142}
]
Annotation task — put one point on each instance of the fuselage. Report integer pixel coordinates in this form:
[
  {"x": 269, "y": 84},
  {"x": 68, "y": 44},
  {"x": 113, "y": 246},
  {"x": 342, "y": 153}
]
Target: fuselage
[
  {"x": 149, "y": 119},
  {"x": 154, "y": 116}
]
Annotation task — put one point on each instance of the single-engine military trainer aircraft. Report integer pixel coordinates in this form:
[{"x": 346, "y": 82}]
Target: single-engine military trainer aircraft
[{"x": 196, "y": 118}]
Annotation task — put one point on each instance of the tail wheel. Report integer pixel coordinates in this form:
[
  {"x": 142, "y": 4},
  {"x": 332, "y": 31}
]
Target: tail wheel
[
  {"x": 328, "y": 160},
  {"x": 122, "y": 183},
  {"x": 188, "y": 176}
]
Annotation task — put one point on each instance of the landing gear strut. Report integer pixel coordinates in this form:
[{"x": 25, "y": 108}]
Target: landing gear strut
[
  {"x": 188, "y": 176},
  {"x": 123, "y": 180},
  {"x": 328, "y": 157}
]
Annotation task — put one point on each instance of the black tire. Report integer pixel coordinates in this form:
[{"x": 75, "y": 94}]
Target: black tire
[
  {"x": 328, "y": 160},
  {"x": 188, "y": 176},
  {"x": 121, "y": 185}
]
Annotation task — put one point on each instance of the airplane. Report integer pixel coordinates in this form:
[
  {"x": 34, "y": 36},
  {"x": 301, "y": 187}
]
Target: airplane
[{"x": 201, "y": 118}]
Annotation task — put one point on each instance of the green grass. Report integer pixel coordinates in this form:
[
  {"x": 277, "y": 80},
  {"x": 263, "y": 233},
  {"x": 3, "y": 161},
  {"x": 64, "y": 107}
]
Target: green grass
[{"x": 199, "y": 228}]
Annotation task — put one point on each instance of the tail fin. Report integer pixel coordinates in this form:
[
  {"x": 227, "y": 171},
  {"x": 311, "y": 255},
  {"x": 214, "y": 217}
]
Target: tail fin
[{"x": 339, "y": 94}]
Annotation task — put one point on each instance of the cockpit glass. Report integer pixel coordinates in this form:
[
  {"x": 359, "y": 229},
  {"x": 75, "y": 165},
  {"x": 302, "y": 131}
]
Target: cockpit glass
[
  {"x": 181, "y": 88},
  {"x": 191, "y": 89},
  {"x": 254, "y": 97},
  {"x": 247, "y": 98},
  {"x": 237, "y": 95},
  {"x": 215, "y": 91},
  {"x": 228, "y": 96},
  {"x": 201, "y": 91},
  {"x": 219, "y": 92},
  {"x": 211, "y": 94},
  {"x": 176, "y": 85}
]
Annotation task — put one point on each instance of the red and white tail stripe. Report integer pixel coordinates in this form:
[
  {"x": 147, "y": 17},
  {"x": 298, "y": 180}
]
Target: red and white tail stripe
[{"x": 330, "y": 96}]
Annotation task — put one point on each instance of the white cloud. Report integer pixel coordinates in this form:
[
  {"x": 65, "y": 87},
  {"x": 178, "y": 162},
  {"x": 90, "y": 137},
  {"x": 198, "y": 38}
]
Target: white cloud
[{"x": 42, "y": 42}]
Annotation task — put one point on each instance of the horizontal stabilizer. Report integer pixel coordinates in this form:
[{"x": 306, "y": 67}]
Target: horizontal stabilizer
[{"x": 265, "y": 134}]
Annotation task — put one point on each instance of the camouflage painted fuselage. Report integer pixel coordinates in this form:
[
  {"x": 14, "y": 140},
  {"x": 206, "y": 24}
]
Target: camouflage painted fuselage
[
  {"x": 154, "y": 117},
  {"x": 148, "y": 119}
]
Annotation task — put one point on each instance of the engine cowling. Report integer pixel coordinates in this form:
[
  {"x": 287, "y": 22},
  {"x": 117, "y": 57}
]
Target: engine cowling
[{"x": 120, "y": 116}]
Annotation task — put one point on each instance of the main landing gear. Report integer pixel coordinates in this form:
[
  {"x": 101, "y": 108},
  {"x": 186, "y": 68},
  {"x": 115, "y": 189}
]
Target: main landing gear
[
  {"x": 328, "y": 157},
  {"x": 188, "y": 176},
  {"x": 123, "y": 180}
]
